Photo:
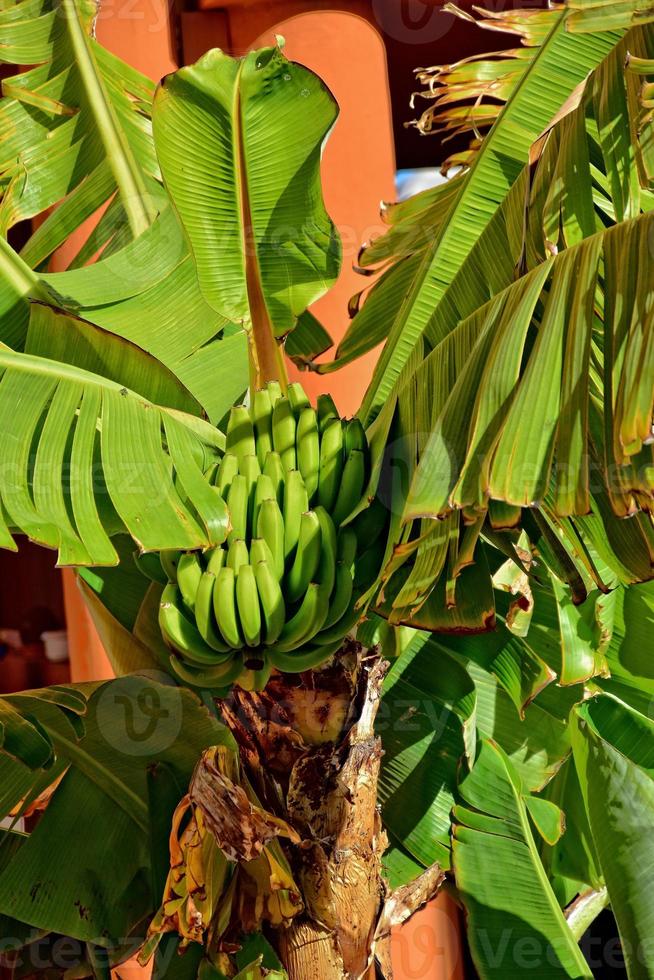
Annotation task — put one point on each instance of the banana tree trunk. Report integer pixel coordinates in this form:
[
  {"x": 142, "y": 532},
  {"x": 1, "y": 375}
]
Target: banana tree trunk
[{"x": 310, "y": 752}]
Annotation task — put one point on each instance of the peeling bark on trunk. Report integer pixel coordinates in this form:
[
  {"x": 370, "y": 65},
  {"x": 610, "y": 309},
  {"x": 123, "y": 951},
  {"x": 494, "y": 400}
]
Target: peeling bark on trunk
[
  {"x": 332, "y": 802},
  {"x": 309, "y": 750}
]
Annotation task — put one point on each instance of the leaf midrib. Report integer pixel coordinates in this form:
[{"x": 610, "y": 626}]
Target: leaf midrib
[{"x": 129, "y": 179}]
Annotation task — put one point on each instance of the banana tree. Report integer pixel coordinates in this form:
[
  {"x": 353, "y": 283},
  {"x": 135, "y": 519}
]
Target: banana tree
[{"x": 359, "y": 660}]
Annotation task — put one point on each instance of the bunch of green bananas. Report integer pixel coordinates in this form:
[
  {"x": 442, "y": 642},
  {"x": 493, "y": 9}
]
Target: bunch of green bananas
[{"x": 281, "y": 592}]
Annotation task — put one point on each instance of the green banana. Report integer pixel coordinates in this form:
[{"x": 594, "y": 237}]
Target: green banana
[
  {"x": 355, "y": 436},
  {"x": 306, "y": 658},
  {"x": 237, "y": 504},
  {"x": 259, "y": 551},
  {"x": 255, "y": 678},
  {"x": 240, "y": 433},
  {"x": 337, "y": 622},
  {"x": 204, "y": 615},
  {"x": 249, "y": 467},
  {"x": 169, "y": 561},
  {"x": 298, "y": 398},
  {"x": 306, "y": 622},
  {"x": 226, "y": 472},
  {"x": 237, "y": 555},
  {"x": 346, "y": 546},
  {"x": 273, "y": 468},
  {"x": 307, "y": 557},
  {"x": 251, "y": 471},
  {"x": 149, "y": 564},
  {"x": 290, "y": 476},
  {"x": 224, "y": 606},
  {"x": 271, "y": 599},
  {"x": 283, "y": 429},
  {"x": 351, "y": 488},
  {"x": 217, "y": 557},
  {"x": 326, "y": 575},
  {"x": 341, "y": 596},
  {"x": 296, "y": 502},
  {"x": 189, "y": 573},
  {"x": 270, "y": 527},
  {"x": 274, "y": 389},
  {"x": 247, "y": 601},
  {"x": 307, "y": 441},
  {"x": 340, "y": 629},
  {"x": 180, "y": 632},
  {"x": 326, "y": 411},
  {"x": 331, "y": 463},
  {"x": 264, "y": 490},
  {"x": 211, "y": 677},
  {"x": 262, "y": 421}
]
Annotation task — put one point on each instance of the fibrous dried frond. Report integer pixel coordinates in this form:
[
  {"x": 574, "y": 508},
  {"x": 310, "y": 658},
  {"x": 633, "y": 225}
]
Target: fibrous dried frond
[{"x": 467, "y": 96}]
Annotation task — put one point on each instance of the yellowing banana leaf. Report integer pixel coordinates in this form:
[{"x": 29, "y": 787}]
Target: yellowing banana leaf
[
  {"x": 557, "y": 66},
  {"x": 520, "y": 404},
  {"x": 483, "y": 83},
  {"x": 593, "y": 15}
]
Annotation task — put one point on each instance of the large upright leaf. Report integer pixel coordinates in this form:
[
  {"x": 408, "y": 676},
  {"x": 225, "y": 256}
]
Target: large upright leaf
[
  {"x": 614, "y": 756},
  {"x": 245, "y": 181}
]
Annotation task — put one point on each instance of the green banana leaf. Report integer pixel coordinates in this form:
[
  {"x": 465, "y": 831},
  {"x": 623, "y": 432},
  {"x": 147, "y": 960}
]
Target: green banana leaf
[
  {"x": 614, "y": 756},
  {"x": 515, "y": 923},
  {"x": 124, "y": 605},
  {"x": 262, "y": 241},
  {"x": 75, "y": 126},
  {"x": 589, "y": 15},
  {"x": 628, "y": 653},
  {"x": 573, "y": 857},
  {"x": 143, "y": 471},
  {"x": 100, "y": 741},
  {"x": 142, "y": 293},
  {"x": 439, "y": 695}
]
